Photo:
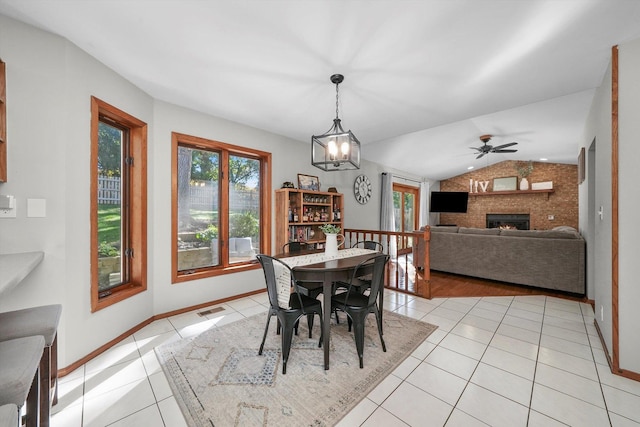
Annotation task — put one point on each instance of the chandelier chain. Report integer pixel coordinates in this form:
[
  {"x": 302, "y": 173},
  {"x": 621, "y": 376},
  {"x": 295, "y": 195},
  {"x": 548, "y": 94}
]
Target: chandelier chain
[{"x": 337, "y": 85}]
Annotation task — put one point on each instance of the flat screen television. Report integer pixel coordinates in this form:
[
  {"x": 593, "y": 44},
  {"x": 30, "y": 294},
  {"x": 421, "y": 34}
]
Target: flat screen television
[{"x": 449, "y": 201}]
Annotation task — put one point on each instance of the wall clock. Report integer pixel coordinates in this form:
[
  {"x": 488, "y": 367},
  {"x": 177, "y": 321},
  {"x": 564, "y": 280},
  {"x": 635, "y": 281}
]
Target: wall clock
[{"x": 362, "y": 189}]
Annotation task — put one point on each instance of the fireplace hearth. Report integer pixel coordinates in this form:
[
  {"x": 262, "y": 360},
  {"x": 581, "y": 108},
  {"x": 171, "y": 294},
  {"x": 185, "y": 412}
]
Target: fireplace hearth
[{"x": 519, "y": 221}]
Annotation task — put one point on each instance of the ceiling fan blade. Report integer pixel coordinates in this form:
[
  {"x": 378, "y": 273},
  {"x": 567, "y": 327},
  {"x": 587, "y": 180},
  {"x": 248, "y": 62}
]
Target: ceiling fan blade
[
  {"x": 505, "y": 151},
  {"x": 498, "y": 147},
  {"x": 481, "y": 154}
]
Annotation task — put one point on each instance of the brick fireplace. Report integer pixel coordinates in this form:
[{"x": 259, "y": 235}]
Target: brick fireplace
[
  {"x": 519, "y": 221},
  {"x": 545, "y": 210}
]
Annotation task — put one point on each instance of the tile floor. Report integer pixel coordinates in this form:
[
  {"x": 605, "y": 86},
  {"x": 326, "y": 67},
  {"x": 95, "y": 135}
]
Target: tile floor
[{"x": 499, "y": 361}]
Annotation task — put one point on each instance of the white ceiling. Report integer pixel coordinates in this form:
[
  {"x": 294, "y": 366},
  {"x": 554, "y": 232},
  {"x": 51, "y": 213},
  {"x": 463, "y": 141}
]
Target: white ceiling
[{"x": 423, "y": 79}]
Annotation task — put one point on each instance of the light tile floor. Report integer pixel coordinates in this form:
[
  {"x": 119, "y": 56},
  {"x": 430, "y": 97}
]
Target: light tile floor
[{"x": 499, "y": 361}]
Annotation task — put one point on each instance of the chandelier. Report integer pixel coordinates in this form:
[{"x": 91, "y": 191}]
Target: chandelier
[{"x": 335, "y": 150}]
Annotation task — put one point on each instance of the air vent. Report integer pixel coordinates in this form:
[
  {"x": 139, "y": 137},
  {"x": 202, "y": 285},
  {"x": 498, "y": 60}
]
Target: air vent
[{"x": 210, "y": 311}]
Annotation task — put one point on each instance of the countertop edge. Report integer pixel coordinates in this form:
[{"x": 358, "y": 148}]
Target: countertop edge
[{"x": 16, "y": 266}]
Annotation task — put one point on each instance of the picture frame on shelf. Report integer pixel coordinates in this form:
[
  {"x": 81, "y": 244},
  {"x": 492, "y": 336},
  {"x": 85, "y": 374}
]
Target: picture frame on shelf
[
  {"x": 509, "y": 183},
  {"x": 308, "y": 182}
]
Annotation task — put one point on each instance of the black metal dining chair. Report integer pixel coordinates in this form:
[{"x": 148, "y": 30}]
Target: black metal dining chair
[
  {"x": 369, "y": 244},
  {"x": 357, "y": 306},
  {"x": 293, "y": 247},
  {"x": 310, "y": 289},
  {"x": 364, "y": 282},
  {"x": 288, "y": 316}
]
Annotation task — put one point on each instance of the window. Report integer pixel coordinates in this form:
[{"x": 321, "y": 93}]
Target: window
[
  {"x": 405, "y": 204},
  {"x": 118, "y": 205},
  {"x": 221, "y": 207}
]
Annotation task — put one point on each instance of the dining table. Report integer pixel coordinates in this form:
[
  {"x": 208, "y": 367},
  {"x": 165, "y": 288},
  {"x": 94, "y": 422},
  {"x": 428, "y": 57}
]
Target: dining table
[{"x": 316, "y": 266}]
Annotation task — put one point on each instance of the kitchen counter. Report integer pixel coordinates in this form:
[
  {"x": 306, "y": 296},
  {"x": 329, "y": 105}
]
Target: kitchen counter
[{"x": 15, "y": 267}]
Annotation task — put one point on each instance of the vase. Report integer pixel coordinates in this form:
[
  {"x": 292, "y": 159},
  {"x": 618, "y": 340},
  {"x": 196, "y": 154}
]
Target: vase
[
  {"x": 331, "y": 245},
  {"x": 524, "y": 184}
]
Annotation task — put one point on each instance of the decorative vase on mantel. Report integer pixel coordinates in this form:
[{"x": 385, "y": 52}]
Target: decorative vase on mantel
[{"x": 524, "y": 184}]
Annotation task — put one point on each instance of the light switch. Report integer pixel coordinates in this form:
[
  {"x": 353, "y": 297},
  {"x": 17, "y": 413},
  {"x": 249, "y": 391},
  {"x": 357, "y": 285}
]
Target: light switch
[{"x": 36, "y": 208}]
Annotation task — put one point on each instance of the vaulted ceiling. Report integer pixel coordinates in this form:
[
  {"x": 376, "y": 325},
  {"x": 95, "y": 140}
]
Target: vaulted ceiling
[{"x": 423, "y": 79}]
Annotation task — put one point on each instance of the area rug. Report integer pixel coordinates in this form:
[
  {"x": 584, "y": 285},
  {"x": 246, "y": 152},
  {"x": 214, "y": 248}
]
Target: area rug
[{"x": 218, "y": 378}]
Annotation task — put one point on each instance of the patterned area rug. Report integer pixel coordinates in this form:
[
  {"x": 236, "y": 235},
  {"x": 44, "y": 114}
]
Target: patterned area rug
[{"x": 218, "y": 378}]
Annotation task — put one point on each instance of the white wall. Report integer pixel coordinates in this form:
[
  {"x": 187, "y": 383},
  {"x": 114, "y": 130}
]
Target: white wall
[
  {"x": 598, "y": 233},
  {"x": 629, "y": 205},
  {"x": 599, "y": 238},
  {"x": 49, "y": 85}
]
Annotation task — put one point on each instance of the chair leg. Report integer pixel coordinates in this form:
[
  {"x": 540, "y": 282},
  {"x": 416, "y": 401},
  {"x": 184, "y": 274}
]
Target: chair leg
[
  {"x": 379, "y": 322},
  {"x": 33, "y": 406},
  {"x": 358, "y": 327},
  {"x": 310, "y": 323},
  {"x": 287, "y": 337},
  {"x": 266, "y": 329},
  {"x": 321, "y": 329},
  {"x": 54, "y": 369},
  {"x": 45, "y": 387}
]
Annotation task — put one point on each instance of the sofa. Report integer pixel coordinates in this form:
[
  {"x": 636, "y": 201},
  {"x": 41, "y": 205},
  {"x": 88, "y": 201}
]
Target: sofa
[{"x": 550, "y": 259}]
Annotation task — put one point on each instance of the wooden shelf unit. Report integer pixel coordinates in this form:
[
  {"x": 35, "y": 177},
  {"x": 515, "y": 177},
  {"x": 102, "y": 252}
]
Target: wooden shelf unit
[{"x": 288, "y": 230}]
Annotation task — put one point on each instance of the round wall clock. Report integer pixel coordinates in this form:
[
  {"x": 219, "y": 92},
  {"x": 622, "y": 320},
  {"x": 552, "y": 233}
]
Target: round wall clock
[{"x": 362, "y": 189}]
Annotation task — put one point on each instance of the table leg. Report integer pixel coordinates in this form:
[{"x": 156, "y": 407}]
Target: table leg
[{"x": 326, "y": 296}]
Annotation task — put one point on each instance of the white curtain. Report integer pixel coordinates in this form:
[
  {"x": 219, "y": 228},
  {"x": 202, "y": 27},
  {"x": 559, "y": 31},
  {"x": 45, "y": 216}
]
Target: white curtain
[
  {"x": 387, "y": 219},
  {"x": 424, "y": 204}
]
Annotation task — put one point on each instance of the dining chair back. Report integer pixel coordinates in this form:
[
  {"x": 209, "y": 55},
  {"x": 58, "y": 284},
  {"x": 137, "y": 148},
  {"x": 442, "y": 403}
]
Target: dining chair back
[
  {"x": 310, "y": 289},
  {"x": 357, "y": 306},
  {"x": 286, "y": 305},
  {"x": 363, "y": 282},
  {"x": 369, "y": 244},
  {"x": 293, "y": 247}
]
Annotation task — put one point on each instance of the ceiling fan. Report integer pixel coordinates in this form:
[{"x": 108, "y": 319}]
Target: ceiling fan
[{"x": 486, "y": 149}]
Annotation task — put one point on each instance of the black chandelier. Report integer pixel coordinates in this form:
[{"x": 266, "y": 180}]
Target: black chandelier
[{"x": 335, "y": 150}]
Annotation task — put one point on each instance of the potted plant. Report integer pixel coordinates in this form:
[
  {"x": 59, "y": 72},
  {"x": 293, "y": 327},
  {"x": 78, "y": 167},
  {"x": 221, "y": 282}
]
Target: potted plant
[
  {"x": 524, "y": 169},
  {"x": 330, "y": 229},
  {"x": 210, "y": 236}
]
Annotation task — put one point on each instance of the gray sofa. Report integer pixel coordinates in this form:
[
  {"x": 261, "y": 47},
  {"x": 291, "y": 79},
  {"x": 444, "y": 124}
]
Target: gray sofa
[{"x": 550, "y": 259}]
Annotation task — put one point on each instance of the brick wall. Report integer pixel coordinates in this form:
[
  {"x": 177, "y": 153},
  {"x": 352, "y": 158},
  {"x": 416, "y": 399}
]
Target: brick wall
[{"x": 562, "y": 203}]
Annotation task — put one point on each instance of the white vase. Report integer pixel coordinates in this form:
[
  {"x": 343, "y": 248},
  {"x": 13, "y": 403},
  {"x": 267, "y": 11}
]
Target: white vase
[
  {"x": 524, "y": 184},
  {"x": 331, "y": 245}
]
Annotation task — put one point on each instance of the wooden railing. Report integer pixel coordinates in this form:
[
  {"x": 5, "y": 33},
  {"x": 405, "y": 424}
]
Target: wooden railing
[{"x": 402, "y": 276}]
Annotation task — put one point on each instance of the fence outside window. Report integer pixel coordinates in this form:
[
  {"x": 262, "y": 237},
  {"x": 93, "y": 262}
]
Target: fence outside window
[{"x": 202, "y": 194}]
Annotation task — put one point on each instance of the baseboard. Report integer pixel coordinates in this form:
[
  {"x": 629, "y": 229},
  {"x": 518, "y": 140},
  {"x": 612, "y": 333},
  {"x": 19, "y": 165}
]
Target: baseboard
[
  {"x": 621, "y": 372},
  {"x": 75, "y": 365}
]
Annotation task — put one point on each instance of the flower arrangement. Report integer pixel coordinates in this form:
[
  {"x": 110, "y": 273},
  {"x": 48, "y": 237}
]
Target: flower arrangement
[
  {"x": 330, "y": 229},
  {"x": 524, "y": 169}
]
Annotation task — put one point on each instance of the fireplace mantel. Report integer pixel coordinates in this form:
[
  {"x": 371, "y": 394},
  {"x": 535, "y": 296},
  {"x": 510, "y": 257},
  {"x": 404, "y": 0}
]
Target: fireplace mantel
[{"x": 511, "y": 193}]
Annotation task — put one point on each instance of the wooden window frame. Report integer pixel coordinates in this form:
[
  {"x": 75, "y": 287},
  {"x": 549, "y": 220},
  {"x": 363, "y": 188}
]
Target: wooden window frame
[
  {"x": 3, "y": 122},
  {"x": 402, "y": 188},
  {"x": 137, "y": 219},
  {"x": 179, "y": 139}
]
